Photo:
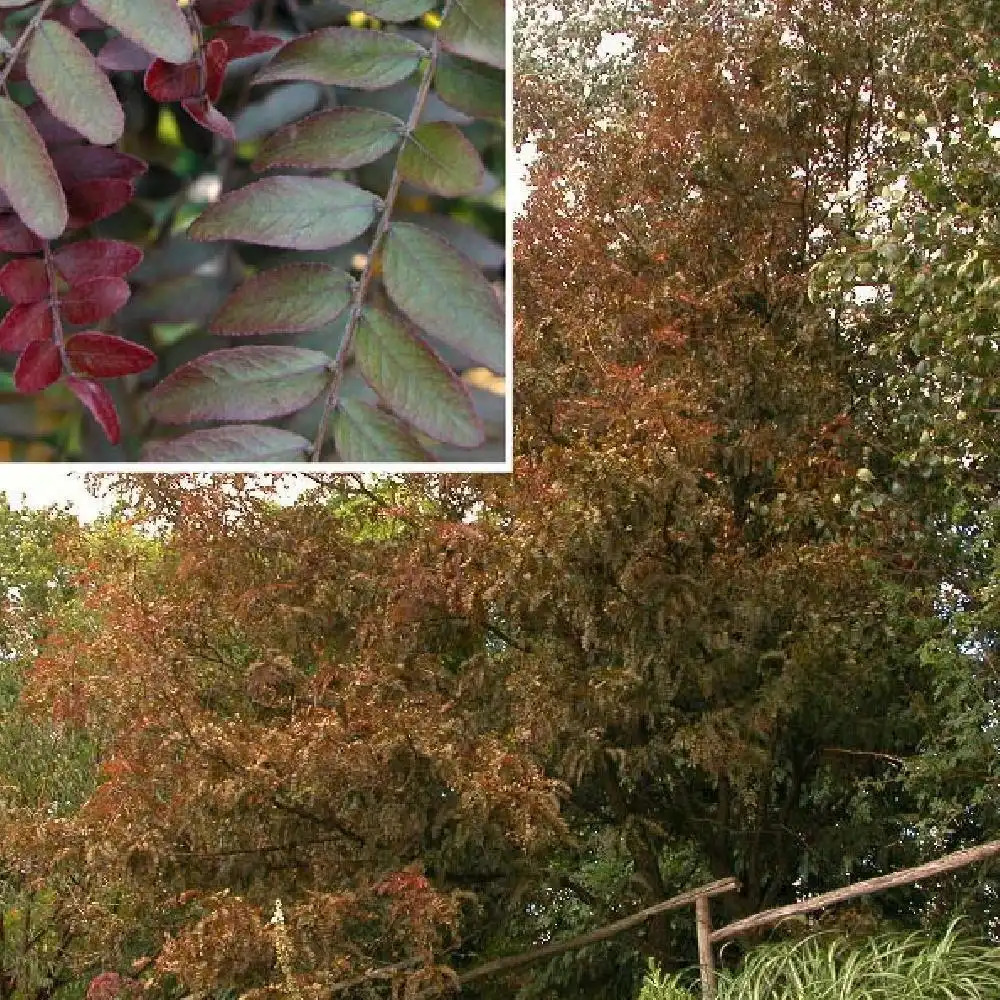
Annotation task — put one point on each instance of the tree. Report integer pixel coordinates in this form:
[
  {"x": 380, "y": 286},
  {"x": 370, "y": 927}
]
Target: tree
[{"x": 358, "y": 212}]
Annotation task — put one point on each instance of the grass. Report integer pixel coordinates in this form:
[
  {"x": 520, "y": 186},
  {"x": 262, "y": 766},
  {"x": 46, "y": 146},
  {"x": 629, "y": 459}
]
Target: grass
[{"x": 829, "y": 966}]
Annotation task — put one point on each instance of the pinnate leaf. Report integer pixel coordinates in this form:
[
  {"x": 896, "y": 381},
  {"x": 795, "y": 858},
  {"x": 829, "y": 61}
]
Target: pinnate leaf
[
  {"x": 23, "y": 324},
  {"x": 444, "y": 293},
  {"x": 87, "y": 163},
  {"x": 159, "y": 26},
  {"x": 165, "y": 81},
  {"x": 107, "y": 356},
  {"x": 27, "y": 176},
  {"x": 242, "y": 42},
  {"x": 24, "y": 280},
  {"x": 297, "y": 213},
  {"x": 98, "y": 401},
  {"x": 241, "y": 383},
  {"x": 234, "y": 443},
  {"x": 438, "y": 158},
  {"x": 16, "y": 237},
  {"x": 288, "y": 299},
  {"x": 338, "y": 139},
  {"x": 363, "y": 433},
  {"x": 472, "y": 87},
  {"x": 206, "y": 114},
  {"x": 217, "y": 11},
  {"x": 93, "y": 200},
  {"x": 79, "y": 262},
  {"x": 414, "y": 381},
  {"x": 71, "y": 84},
  {"x": 345, "y": 57},
  {"x": 93, "y": 300},
  {"x": 38, "y": 366},
  {"x": 476, "y": 29},
  {"x": 123, "y": 56}
]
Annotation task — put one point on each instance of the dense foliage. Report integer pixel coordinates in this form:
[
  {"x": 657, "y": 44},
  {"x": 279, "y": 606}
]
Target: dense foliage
[
  {"x": 735, "y": 613},
  {"x": 341, "y": 301}
]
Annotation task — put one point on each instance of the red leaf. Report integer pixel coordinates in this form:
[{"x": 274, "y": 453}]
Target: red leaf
[
  {"x": 79, "y": 262},
  {"x": 206, "y": 114},
  {"x": 98, "y": 400},
  {"x": 216, "y": 59},
  {"x": 124, "y": 56},
  {"x": 23, "y": 324},
  {"x": 16, "y": 237},
  {"x": 82, "y": 20},
  {"x": 242, "y": 42},
  {"x": 90, "y": 201},
  {"x": 87, "y": 163},
  {"x": 23, "y": 281},
  {"x": 38, "y": 366},
  {"x": 94, "y": 300},
  {"x": 106, "y": 356},
  {"x": 171, "y": 81},
  {"x": 217, "y": 11}
]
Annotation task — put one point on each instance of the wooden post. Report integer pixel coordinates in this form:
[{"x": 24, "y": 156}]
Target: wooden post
[{"x": 706, "y": 959}]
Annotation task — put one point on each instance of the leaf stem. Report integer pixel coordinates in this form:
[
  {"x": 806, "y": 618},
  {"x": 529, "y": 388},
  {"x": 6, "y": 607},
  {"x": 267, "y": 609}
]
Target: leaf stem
[
  {"x": 368, "y": 274},
  {"x": 57, "y": 329},
  {"x": 22, "y": 41}
]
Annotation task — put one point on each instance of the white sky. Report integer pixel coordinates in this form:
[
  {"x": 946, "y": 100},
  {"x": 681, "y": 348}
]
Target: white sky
[{"x": 42, "y": 486}]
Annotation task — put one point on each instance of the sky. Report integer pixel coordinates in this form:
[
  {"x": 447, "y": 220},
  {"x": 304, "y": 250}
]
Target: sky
[
  {"x": 43, "y": 486},
  {"x": 36, "y": 486}
]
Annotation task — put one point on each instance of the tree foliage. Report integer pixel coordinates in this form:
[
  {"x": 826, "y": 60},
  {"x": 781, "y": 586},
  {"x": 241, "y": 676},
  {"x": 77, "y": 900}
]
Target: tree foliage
[{"x": 733, "y": 615}]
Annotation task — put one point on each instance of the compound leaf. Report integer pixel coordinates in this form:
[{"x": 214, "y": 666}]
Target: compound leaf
[
  {"x": 345, "y": 57},
  {"x": 340, "y": 139},
  {"x": 72, "y": 86},
  {"x": 444, "y": 293},
  {"x": 476, "y": 29},
  {"x": 158, "y": 26},
  {"x": 241, "y": 383},
  {"x": 438, "y": 158},
  {"x": 288, "y": 299},
  {"x": 234, "y": 443},
  {"x": 296, "y": 213},
  {"x": 416, "y": 384},
  {"x": 106, "y": 356},
  {"x": 363, "y": 433},
  {"x": 27, "y": 176},
  {"x": 472, "y": 87}
]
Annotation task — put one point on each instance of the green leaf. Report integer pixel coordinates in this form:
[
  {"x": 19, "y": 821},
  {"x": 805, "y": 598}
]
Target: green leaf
[
  {"x": 470, "y": 86},
  {"x": 345, "y": 57},
  {"x": 339, "y": 139},
  {"x": 476, "y": 29},
  {"x": 158, "y": 26},
  {"x": 395, "y": 10},
  {"x": 363, "y": 433},
  {"x": 288, "y": 299},
  {"x": 235, "y": 443},
  {"x": 241, "y": 383},
  {"x": 444, "y": 293},
  {"x": 297, "y": 213},
  {"x": 416, "y": 384},
  {"x": 72, "y": 86},
  {"x": 27, "y": 176},
  {"x": 439, "y": 159}
]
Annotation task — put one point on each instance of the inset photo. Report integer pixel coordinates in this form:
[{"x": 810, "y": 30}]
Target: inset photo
[{"x": 236, "y": 232}]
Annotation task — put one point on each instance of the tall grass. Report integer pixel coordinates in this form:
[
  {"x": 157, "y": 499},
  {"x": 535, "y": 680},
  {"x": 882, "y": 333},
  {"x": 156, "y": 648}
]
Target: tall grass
[{"x": 828, "y": 966}]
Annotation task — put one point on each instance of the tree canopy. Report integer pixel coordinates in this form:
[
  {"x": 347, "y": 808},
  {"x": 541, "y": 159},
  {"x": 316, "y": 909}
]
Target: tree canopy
[{"x": 734, "y": 614}]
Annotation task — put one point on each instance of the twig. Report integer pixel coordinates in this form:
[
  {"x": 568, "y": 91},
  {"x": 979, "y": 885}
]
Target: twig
[
  {"x": 368, "y": 274},
  {"x": 15, "y": 53}
]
